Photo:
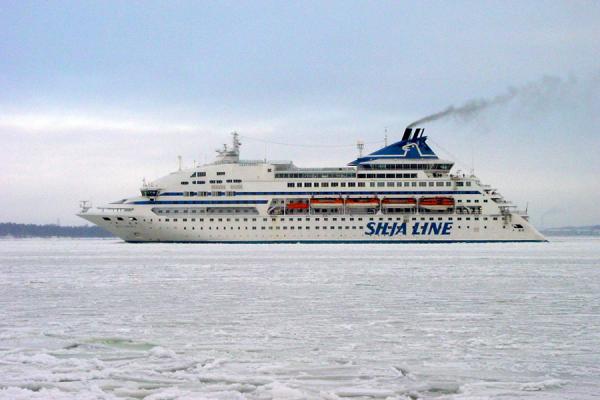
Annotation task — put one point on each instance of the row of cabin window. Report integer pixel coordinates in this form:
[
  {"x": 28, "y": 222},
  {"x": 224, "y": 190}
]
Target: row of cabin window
[
  {"x": 214, "y": 194},
  {"x": 212, "y": 181},
  {"x": 406, "y": 166},
  {"x": 307, "y": 228},
  {"x": 372, "y": 184},
  {"x": 341, "y": 184},
  {"x": 311, "y": 175},
  {"x": 332, "y": 219},
  {"x": 343, "y": 219},
  {"x": 346, "y": 184},
  {"x": 338, "y": 184},
  {"x": 325, "y": 184},
  {"x": 224, "y": 228},
  {"x": 204, "y": 211},
  {"x": 387, "y": 176},
  {"x": 416, "y": 184},
  {"x": 203, "y": 173},
  {"x": 347, "y": 175}
]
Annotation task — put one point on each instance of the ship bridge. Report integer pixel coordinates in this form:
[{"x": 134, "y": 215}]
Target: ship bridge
[{"x": 412, "y": 147}]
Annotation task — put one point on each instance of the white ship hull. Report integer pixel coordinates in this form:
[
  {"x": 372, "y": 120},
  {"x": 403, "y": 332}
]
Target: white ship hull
[
  {"x": 415, "y": 228},
  {"x": 235, "y": 201}
]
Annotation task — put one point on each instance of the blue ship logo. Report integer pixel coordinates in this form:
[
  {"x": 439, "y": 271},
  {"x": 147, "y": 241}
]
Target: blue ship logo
[{"x": 417, "y": 229}]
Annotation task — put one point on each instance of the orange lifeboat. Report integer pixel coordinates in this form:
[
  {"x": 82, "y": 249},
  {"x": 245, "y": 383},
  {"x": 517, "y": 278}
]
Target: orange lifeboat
[
  {"x": 407, "y": 202},
  {"x": 436, "y": 203},
  {"x": 369, "y": 202},
  {"x": 296, "y": 205},
  {"x": 326, "y": 203}
]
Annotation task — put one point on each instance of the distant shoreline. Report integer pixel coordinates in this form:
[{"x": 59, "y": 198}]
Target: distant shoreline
[
  {"x": 589, "y": 230},
  {"x": 24, "y": 231}
]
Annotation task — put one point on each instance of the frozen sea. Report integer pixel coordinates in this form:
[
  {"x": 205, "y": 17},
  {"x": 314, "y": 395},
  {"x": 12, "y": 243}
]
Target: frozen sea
[{"x": 101, "y": 319}]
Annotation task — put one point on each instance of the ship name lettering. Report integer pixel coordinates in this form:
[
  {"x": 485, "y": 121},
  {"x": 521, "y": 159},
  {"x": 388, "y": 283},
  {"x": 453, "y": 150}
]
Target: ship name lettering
[{"x": 417, "y": 229}]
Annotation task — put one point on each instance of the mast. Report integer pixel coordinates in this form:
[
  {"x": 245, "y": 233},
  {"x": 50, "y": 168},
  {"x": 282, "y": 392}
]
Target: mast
[{"x": 230, "y": 155}]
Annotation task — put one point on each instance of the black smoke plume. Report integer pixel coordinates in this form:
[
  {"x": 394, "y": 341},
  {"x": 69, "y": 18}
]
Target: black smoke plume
[{"x": 467, "y": 110}]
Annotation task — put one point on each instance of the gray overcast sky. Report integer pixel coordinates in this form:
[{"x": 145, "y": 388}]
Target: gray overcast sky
[{"x": 94, "y": 96}]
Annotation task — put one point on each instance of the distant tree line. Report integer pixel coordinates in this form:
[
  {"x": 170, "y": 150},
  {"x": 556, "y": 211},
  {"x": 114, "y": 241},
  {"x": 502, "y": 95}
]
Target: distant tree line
[
  {"x": 30, "y": 230},
  {"x": 590, "y": 230}
]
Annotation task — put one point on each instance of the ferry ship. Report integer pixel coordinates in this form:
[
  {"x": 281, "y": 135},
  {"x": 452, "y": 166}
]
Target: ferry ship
[{"x": 401, "y": 193}]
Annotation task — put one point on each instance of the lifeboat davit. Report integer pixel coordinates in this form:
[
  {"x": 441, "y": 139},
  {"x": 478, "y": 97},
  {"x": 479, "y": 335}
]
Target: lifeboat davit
[
  {"x": 436, "y": 203},
  {"x": 296, "y": 205},
  {"x": 406, "y": 202},
  {"x": 326, "y": 203},
  {"x": 371, "y": 202}
]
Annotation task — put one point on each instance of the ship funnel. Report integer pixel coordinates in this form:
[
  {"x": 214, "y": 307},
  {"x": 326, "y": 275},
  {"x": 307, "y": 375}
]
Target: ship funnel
[{"x": 418, "y": 133}]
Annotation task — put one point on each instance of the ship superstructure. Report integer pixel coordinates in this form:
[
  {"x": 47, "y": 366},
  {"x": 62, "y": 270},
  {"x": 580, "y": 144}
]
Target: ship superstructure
[{"x": 400, "y": 193}]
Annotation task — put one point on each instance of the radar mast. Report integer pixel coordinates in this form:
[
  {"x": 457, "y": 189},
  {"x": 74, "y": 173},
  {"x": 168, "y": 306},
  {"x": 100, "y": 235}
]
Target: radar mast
[{"x": 227, "y": 155}]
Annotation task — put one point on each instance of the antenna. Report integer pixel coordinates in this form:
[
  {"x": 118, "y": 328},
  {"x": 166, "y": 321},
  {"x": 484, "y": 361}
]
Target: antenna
[
  {"x": 360, "y": 145},
  {"x": 179, "y": 162},
  {"x": 236, "y": 141},
  {"x": 385, "y": 138},
  {"x": 472, "y": 158}
]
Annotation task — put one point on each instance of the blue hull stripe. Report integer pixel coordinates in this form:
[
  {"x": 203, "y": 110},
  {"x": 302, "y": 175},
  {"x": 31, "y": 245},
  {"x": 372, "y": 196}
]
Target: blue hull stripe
[
  {"x": 201, "y": 202},
  {"x": 338, "y": 193}
]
